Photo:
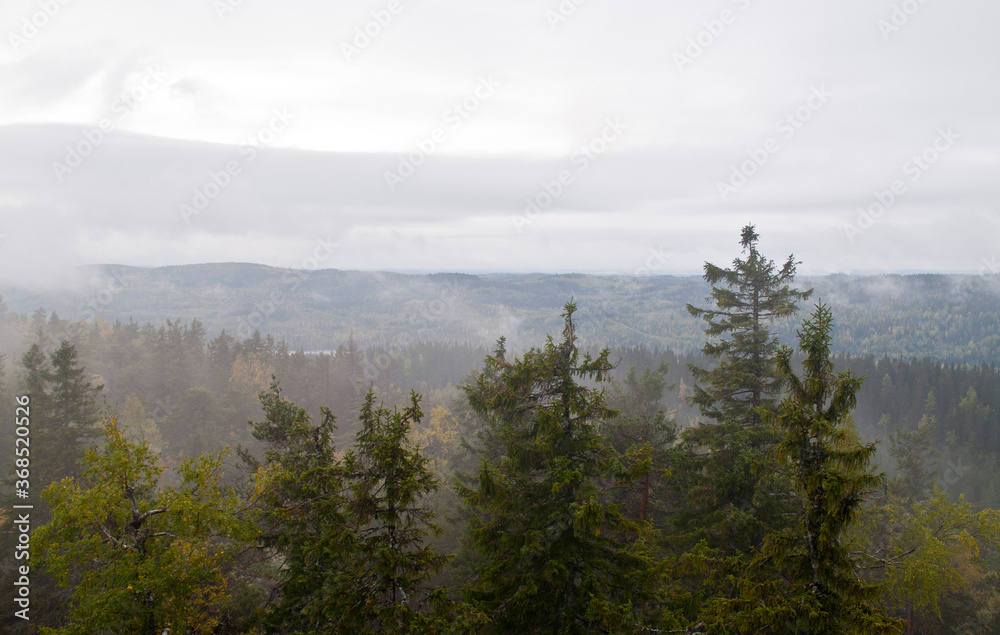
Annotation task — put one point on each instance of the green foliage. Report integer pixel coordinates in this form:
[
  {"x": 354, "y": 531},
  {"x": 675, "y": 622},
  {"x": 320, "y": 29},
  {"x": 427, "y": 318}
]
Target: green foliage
[
  {"x": 829, "y": 470},
  {"x": 300, "y": 493},
  {"x": 141, "y": 558},
  {"x": 743, "y": 385},
  {"x": 732, "y": 504},
  {"x": 350, "y": 533},
  {"x": 916, "y": 458},
  {"x": 72, "y": 398},
  {"x": 556, "y": 559},
  {"x": 65, "y": 411},
  {"x": 714, "y": 499},
  {"x": 642, "y": 431},
  {"x": 931, "y": 555},
  {"x": 390, "y": 562},
  {"x": 929, "y": 544}
]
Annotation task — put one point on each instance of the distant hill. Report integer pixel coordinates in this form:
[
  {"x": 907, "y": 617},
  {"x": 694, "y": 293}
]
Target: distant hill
[{"x": 945, "y": 317}]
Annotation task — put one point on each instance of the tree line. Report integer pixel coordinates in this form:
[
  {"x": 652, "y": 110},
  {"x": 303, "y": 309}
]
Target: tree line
[{"x": 552, "y": 492}]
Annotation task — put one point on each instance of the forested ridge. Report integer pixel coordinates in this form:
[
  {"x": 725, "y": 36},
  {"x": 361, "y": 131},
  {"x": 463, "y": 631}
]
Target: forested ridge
[
  {"x": 949, "y": 318},
  {"x": 765, "y": 479}
]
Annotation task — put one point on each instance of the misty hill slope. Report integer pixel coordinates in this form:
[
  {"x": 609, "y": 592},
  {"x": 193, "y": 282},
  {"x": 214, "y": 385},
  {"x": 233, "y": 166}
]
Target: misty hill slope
[{"x": 946, "y": 317}]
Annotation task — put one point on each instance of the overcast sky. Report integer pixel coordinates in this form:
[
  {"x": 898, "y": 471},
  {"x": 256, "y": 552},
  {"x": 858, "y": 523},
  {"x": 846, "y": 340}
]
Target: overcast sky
[{"x": 464, "y": 135}]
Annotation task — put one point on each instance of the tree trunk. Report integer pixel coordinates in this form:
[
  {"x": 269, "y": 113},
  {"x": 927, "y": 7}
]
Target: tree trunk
[{"x": 149, "y": 621}]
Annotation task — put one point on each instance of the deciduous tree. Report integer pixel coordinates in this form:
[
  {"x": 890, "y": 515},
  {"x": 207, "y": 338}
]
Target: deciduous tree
[{"x": 141, "y": 558}]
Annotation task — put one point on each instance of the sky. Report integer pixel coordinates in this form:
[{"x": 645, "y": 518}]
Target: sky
[{"x": 548, "y": 135}]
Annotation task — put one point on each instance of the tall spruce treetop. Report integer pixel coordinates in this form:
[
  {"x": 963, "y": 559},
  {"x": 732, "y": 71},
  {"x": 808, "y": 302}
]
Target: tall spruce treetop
[
  {"x": 747, "y": 296},
  {"x": 732, "y": 504}
]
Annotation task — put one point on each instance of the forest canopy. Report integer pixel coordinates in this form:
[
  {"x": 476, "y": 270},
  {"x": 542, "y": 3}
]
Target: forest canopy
[{"x": 767, "y": 480}]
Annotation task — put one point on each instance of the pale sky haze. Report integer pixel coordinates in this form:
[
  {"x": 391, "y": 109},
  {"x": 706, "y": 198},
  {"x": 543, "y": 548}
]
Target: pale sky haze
[{"x": 217, "y": 130}]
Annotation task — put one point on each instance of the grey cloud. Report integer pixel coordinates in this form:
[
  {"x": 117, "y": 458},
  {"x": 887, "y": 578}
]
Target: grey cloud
[{"x": 687, "y": 131}]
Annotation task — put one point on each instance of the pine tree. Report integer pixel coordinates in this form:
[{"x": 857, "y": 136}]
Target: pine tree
[{"x": 556, "y": 559}]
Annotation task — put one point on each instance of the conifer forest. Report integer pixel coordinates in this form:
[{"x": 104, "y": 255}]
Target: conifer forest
[{"x": 765, "y": 472}]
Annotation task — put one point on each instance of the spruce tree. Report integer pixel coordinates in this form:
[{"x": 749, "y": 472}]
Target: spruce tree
[
  {"x": 36, "y": 367},
  {"x": 349, "y": 532},
  {"x": 64, "y": 412},
  {"x": 390, "y": 562},
  {"x": 727, "y": 451},
  {"x": 555, "y": 557},
  {"x": 643, "y": 429},
  {"x": 302, "y": 498},
  {"x": 747, "y": 297},
  {"x": 916, "y": 459},
  {"x": 829, "y": 469},
  {"x": 73, "y": 397}
]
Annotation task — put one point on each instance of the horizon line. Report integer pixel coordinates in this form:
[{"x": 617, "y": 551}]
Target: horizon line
[{"x": 530, "y": 272}]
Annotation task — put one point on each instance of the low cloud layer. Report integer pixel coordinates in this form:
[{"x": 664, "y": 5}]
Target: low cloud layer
[{"x": 553, "y": 137}]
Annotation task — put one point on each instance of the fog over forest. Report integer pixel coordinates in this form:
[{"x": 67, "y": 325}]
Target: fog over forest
[
  {"x": 545, "y": 317},
  {"x": 425, "y": 380}
]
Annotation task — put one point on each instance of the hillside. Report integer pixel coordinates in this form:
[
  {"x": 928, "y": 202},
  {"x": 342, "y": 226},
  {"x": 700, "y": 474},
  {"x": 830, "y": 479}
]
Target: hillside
[{"x": 953, "y": 318}]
